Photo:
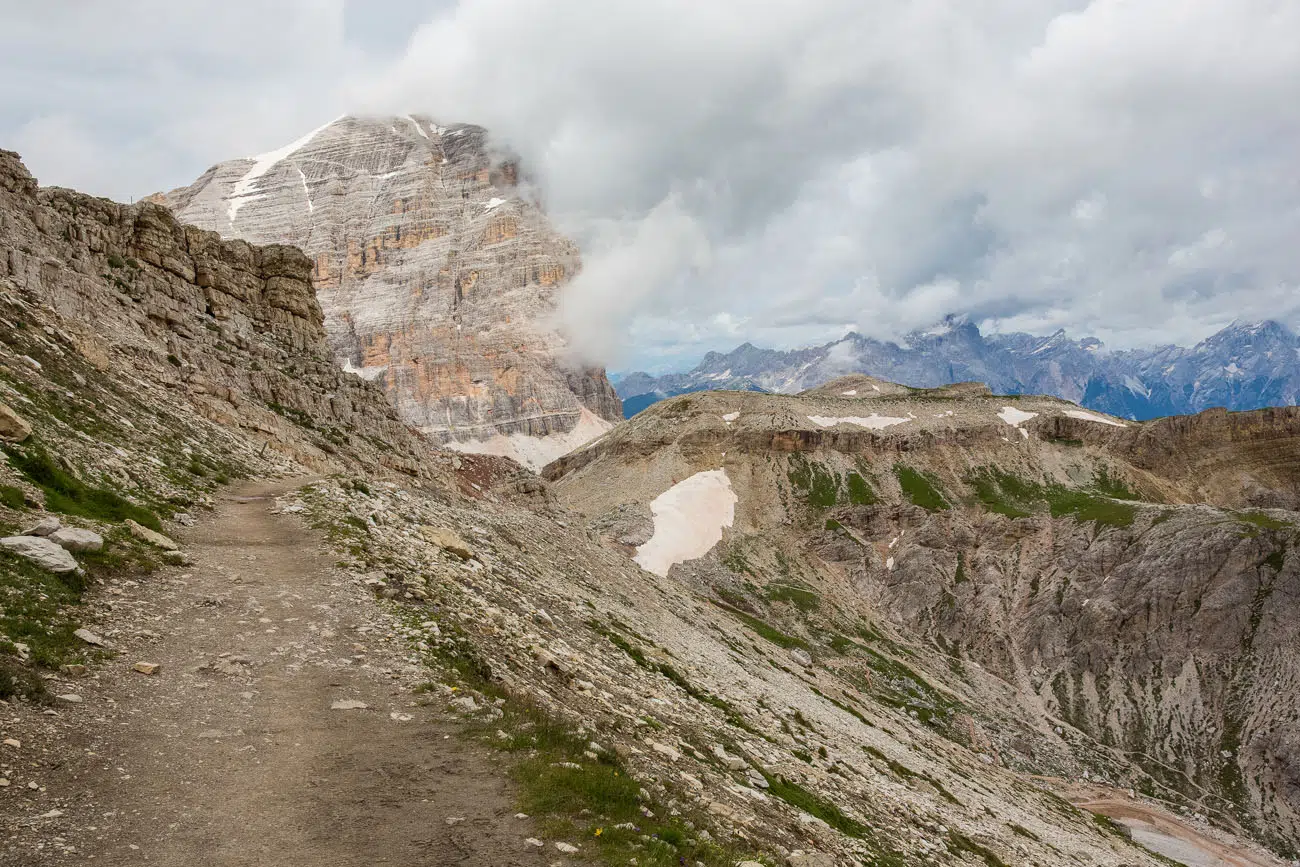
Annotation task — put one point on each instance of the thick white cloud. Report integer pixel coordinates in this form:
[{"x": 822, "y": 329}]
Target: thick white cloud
[
  {"x": 126, "y": 98},
  {"x": 778, "y": 171}
]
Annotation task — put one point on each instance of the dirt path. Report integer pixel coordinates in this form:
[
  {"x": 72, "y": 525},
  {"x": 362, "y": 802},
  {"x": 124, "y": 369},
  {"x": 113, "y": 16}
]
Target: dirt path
[{"x": 232, "y": 754}]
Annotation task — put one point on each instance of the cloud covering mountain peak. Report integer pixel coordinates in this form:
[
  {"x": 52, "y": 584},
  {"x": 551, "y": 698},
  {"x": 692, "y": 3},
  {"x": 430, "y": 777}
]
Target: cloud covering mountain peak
[{"x": 792, "y": 173}]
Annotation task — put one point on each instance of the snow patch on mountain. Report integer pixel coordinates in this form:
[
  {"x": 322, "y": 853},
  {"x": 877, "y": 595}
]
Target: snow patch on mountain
[
  {"x": 369, "y": 374},
  {"x": 872, "y": 422},
  {"x": 536, "y": 452},
  {"x": 1136, "y": 386},
  {"x": 688, "y": 521},
  {"x": 1087, "y": 416},
  {"x": 1015, "y": 417},
  {"x": 263, "y": 163}
]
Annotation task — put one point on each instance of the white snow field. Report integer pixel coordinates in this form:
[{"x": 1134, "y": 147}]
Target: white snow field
[
  {"x": 1015, "y": 417},
  {"x": 872, "y": 422},
  {"x": 263, "y": 163},
  {"x": 1087, "y": 416},
  {"x": 688, "y": 518},
  {"x": 537, "y": 452}
]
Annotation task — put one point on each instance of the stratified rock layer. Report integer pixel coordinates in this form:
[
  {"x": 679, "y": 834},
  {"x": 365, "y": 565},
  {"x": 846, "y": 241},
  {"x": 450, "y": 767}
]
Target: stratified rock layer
[{"x": 437, "y": 276}]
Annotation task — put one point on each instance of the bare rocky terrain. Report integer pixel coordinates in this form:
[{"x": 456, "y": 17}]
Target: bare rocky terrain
[
  {"x": 1134, "y": 584},
  {"x": 891, "y": 627}
]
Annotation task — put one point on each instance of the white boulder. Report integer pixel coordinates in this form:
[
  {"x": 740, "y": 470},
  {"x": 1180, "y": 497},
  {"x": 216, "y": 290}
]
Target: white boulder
[
  {"x": 144, "y": 534},
  {"x": 44, "y": 527},
  {"x": 77, "y": 540},
  {"x": 40, "y": 552}
]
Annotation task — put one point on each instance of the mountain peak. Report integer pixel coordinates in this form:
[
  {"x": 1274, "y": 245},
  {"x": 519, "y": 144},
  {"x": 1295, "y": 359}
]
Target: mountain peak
[
  {"x": 1264, "y": 327},
  {"x": 420, "y": 241}
]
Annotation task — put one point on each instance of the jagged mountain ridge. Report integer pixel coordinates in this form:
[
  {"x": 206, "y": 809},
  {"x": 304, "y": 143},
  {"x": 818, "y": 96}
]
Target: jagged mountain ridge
[
  {"x": 438, "y": 275},
  {"x": 1243, "y": 366}
]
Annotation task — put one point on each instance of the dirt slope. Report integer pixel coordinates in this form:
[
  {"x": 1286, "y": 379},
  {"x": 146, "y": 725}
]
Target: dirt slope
[
  {"x": 232, "y": 755},
  {"x": 1164, "y": 832}
]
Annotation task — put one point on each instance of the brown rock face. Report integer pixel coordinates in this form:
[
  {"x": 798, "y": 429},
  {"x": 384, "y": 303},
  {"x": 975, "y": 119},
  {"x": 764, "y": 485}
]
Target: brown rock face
[
  {"x": 174, "y": 316},
  {"x": 437, "y": 275},
  {"x": 13, "y": 427}
]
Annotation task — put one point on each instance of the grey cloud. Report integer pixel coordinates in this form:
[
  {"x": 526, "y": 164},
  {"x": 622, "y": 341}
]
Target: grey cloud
[{"x": 777, "y": 171}]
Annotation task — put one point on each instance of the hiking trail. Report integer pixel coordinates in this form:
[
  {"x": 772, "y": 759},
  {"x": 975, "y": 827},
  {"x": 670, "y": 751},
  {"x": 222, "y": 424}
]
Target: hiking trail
[{"x": 235, "y": 753}]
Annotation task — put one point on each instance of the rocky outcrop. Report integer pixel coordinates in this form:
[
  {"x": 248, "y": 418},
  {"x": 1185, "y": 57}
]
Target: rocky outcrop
[
  {"x": 13, "y": 427},
  {"x": 160, "y": 312},
  {"x": 438, "y": 275}
]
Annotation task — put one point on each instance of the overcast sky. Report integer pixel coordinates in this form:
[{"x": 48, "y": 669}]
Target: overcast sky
[{"x": 778, "y": 171}]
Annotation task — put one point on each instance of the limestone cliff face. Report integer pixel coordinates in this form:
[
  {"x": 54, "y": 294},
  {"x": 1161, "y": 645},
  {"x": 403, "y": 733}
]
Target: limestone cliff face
[{"x": 437, "y": 275}]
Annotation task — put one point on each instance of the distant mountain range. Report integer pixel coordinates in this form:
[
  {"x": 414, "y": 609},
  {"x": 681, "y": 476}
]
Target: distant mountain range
[{"x": 1244, "y": 366}]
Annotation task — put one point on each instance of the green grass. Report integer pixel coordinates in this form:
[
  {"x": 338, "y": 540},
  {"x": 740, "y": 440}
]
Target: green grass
[
  {"x": 920, "y": 488},
  {"x": 859, "y": 490},
  {"x": 1003, "y": 493},
  {"x": 797, "y": 796},
  {"x": 764, "y": 629},
  {"x": 1086, "y": 506},
  {"x": 803, "y": 599},
  {"x": 123, "y": 556},
  {"x": 69, "y": 495},
  {"x": 38, "y": 608},
  {"x": 41, "y": 609},
  {"x": 1262, "y": 520},
  {"x": 959, "y": 843},
  {"x": 573, "y": 797},
  {"x": 1110, "y": 486},
  {"x": 821, "y": 486},
  {"x": 1007, "y": 494},
  {"x": 581, "y": 800},
  {"x": 843, "y": 645},
  {"x": 12, "y": 498},
  {"x": 1110, "y": 826}
]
